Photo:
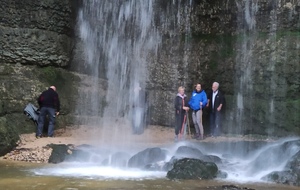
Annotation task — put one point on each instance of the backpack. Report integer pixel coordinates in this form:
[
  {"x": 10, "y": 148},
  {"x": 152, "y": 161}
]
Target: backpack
[{"x": 32, "y": 112}]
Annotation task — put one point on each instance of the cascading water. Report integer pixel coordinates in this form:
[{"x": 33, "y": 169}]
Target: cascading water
[
  {"x": 262, "y": 78},
  {"x": 244, "y": 62},
  {"x": 187, "y": 44},
  {"x": 242, "y": 161},
  {"x": 255, "y": 165},
  {"x": 118, "y": 36},
  {"x": 117, "y": 39}
]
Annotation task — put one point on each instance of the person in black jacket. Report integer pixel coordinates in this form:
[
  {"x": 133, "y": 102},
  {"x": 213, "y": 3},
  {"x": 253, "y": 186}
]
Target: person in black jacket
[
  {"x": 181, "y": 109},
  {"x": 215, "y": 103},
  {"x": 49, "y": 105}
]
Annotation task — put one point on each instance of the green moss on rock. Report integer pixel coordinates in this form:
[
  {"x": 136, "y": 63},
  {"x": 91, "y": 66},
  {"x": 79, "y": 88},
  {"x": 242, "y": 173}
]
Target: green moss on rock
[{"x": 8, "y": 135}]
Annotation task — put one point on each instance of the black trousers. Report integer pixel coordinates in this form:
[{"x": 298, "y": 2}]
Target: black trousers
[
  {"x": 179, "y": 121},
  {"x": 215, "y": 123}
]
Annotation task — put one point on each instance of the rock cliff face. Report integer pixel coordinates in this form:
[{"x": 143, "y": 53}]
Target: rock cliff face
[
  {"x": 22, "y": 84},
  {"x": 33, "y": 34},
  {"x": 37, "y": 32},
  {"x": 250, "y": 47}
]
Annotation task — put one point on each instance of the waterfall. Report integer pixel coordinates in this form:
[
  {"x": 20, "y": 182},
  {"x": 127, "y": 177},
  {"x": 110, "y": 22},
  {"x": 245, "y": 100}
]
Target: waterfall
[
  {"x": 187, "y": 38},
  {"x": 262, "y": 73},
  {"x": 245, "y": 65},
  {"x": 256, "y": 164},
  {"x": 272, "y": 63},
  {"x": 117, "y": 37}
]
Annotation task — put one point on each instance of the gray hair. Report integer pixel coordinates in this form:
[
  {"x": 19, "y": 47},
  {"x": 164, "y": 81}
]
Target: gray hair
[{"x": 217, "y": 84}]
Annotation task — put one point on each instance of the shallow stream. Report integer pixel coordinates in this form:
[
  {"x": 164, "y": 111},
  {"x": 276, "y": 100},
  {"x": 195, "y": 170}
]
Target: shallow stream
[
  {"x": 25, "y": 176},
  {"x": 244, "y": 162}
]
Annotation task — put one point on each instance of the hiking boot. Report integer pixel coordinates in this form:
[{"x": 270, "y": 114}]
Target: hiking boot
[{"x": 38, "y": 136}]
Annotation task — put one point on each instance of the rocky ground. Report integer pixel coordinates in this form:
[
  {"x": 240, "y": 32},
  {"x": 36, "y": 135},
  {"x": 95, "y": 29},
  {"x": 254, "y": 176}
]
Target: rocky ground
[{"x": 31, "y": 149}]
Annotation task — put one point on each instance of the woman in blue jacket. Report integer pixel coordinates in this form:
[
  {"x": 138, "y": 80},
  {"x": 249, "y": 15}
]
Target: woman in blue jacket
[{"x": 197, "y": 102}]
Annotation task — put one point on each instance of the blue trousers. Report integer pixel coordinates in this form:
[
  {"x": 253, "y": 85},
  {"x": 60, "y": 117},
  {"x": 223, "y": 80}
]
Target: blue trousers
[
  {"x": 44, "y": 111},
  {"x": 215, "y": 123}
]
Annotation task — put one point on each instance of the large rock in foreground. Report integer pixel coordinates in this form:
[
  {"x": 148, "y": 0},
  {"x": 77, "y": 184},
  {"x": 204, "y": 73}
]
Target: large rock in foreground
[
  {"x": 147, "y": 156},
  {"x": 59, "y": 153},
  {"x": 190, "y": 168}
]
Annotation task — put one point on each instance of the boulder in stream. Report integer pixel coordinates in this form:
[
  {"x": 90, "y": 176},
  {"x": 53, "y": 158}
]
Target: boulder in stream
[
  {"x": 191, "y": 168},
  {"x": 146, "y": 157}
]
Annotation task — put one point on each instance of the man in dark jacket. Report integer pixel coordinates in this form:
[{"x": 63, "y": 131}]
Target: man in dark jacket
[
  {"x": 49, "y": 105},
  {"x": 215, "y": 103}
]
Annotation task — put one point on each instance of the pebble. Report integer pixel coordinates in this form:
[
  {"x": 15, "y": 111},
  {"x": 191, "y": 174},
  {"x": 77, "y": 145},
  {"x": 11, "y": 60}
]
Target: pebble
[{"x": 35, "y": 155}]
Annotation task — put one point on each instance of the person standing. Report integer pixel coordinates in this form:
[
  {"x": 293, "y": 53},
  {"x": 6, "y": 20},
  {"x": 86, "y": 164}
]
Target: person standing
[
  {"x": 215, "y": 103},
  {"x": 49, "y": 105},
  {"x": 180, "y": 110},
  {"x": 197, "y": 102}
]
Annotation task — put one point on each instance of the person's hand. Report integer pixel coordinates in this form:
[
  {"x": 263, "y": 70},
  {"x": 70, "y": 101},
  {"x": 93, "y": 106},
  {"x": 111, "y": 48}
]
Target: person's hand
[
  {"x": 207, "y": 105},
  {"x": 57, "y": 113},
  {"x": 201, "y": 103},
  {"x": 186, "y": 108},
  {"x": 219, "y": 109}
]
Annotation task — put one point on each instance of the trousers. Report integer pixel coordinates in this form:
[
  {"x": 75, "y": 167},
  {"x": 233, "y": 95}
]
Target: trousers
[
  {"x": 197, "y": 120},
  {"x": 44, "y": 111}
]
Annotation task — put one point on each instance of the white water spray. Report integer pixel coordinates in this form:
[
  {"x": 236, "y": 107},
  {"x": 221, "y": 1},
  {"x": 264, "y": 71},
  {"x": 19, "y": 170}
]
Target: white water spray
[
  {"x": 244, "y": 62},
  {"x": 118, "y": 36}
]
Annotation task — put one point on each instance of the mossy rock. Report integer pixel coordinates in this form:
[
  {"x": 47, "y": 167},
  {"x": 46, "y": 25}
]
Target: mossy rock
[
  {"x": 9, "y": 135},
  {"x": 59, "y": 153},
  {"x": 190, "y": 168}
]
